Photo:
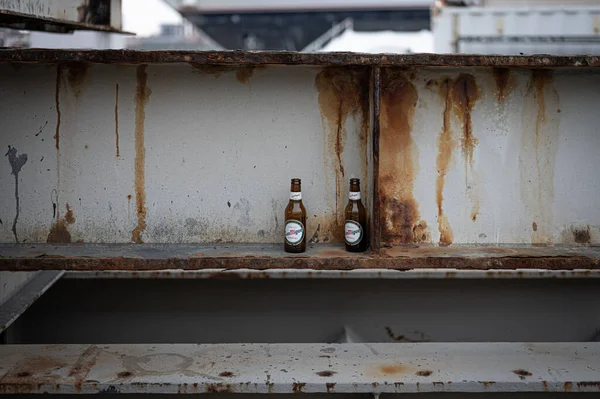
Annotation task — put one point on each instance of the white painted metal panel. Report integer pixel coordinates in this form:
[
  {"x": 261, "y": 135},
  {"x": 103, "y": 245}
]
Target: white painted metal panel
[
  {"x": 220, "y": 150},
  {"x": 229, "y": 6},
  {"x": 63, "y": 11},
  {"x": 529, "y": 181},
  {"x": 256, "y": 368},
  {"x": 575, "y": 29}
]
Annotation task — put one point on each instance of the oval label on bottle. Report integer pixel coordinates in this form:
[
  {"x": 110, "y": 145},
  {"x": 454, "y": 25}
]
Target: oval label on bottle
[
  {"x": 354, "y": 232},
  {"x": 354, "y": 195},
  {"x": 295, "y": 196},
  {"x": 294, "y": 232}
]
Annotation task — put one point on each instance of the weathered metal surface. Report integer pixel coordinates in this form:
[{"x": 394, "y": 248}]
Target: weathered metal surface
[
  {"x": 488, "y": 156},
  {"x": 26, "y": 296},
  {"x": 293, "y": 58},
  {"x": 420, "y": 274},
  {"x": 142, "y": 167},
  {"x": 300, "y": 368},
  {"x": 11, "y": 282},
  {"x": 61, "y": 15},
  {"x": 320, "y": 257},
  {"x": 178, "y": 149}
]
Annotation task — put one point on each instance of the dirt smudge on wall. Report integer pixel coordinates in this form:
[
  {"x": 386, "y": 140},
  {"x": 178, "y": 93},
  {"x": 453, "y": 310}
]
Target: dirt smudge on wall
[
  {"x": 539, "y": 146},
  {"x": 77, "y": 73},
  {"x": 243, "y": 74},
  {"x": 342, "y": 93},
  {"x": 142, "y": 97},
  {"x": 465, "y": 93},
  {"x": 16, "y": 164},
  {"x": 59, "y": 232},
  {"x": 398, "y": 160},
  {"x": 505, "y": 83}
]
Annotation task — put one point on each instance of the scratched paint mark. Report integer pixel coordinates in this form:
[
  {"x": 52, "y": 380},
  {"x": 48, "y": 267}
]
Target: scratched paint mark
[
  {"x": 117, "y": 119},
  {"x": 537, "y": 159},
  {"x": 341, "y": 94},
  {"x": 54, "y": 200},
  {"x": 41, "y": 129},
  {"x": 446, "y": 145},
  {"x": 16, "y": 164},
  {"x": 57, "y": 105},
  {"x": 59, "y": 72},
  {"x": 398, "y": 160},
  {"x": 141, "y": 99}
]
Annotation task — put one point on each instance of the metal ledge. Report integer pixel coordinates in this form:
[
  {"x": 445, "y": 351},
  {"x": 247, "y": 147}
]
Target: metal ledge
[
  {"x": 17, "y": 20},
  {"x": 420, "y": 274},
  {"x": 300, "y": 368},
  {"x": 137, "y": 257},
  {"x": 133, "y": 257},
  {"x": 16, "y": 305},
  {"x": 292, "y": 58}
]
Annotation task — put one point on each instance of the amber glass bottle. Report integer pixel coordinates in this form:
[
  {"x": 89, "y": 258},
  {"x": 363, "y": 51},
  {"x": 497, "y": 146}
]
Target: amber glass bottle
[
  {"x": 356, "y": 228},
  {"x": 295, "y": 221}
]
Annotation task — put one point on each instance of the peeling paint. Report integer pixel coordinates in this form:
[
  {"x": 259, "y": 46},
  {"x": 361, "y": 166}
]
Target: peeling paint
[
  {"x": 399, "y": 159},
  {"x": 141, "y": 99},
  {"x": 16, "y": 164}
]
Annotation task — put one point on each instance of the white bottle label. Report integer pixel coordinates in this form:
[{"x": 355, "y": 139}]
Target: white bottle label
[
  {"x": 295, "y": 196},
  {"x": 354, "y": 195},
  {"x": 294, "y": 232},
  {"x": 354, "y": 232}
]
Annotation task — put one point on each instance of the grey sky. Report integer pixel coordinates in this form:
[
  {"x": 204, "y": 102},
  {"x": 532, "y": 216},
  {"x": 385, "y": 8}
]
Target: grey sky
[{"x": 145, "y": 16}]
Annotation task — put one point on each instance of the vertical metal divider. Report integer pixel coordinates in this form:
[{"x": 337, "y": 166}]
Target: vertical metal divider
[{"x": 375, "y": 200}]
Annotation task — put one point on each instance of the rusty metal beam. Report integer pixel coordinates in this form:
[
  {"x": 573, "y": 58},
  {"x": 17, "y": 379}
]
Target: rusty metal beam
[
  {"x": 291, "y": 58},
  {"x": 300, "y": 368},
  {"x": 360, "y": 274},
  {"x": 320, "y": 257}
]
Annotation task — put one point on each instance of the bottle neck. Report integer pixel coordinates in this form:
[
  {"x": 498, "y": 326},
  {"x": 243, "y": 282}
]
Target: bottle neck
[
  {"x": 354, "y": 194},
  {"x": 295, "y": 193}
]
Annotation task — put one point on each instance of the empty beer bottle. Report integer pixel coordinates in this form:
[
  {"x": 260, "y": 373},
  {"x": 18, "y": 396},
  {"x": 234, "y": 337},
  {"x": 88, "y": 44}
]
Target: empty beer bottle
[
  {"x": 295, "y": 221},
  {"x": 355, "y": 228}
]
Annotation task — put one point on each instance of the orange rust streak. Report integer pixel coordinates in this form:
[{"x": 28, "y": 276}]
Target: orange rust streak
[
  {"x": 340, "y": 95},
  {"x": 465, "y": 93},
  {"x": 446, "y": 146},
  {"x": 399, "y": 209},
  {"x": 141, "y": 99},
  {"x": 393, "y": 369},
  {"x": 117, "y": 118}
]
